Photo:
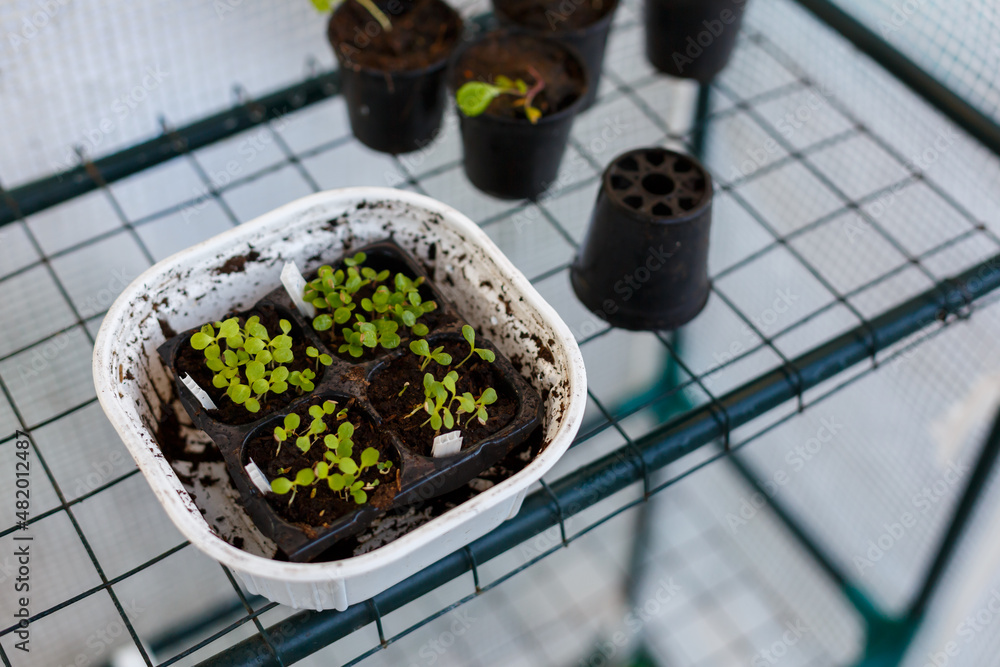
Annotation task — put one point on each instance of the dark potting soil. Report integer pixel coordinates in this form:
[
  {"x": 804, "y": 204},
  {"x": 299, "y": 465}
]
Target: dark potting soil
[
  {"x": 555, "y": 15},
  {"x": 474, "y": 376},
  {"x": 317, "y": 505},
  {"x": 396, "y": 523},
  {"x": 192, "y": 362},
  {"x": 422, "y": 36},
  {"x": 511, "y": 55}
]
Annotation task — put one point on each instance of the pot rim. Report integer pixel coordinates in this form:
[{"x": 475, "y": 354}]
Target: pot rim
[
  {"x": 410, "y": 73},
  {"x": 597, "y": 26}
]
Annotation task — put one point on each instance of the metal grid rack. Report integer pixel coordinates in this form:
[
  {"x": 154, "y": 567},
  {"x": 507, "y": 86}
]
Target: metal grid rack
[{"x": 799, "y": 196}]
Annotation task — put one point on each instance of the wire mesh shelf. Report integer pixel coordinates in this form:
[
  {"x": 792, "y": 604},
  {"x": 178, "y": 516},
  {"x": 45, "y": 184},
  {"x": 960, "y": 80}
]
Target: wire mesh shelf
[{"x": 847, "y": 234}]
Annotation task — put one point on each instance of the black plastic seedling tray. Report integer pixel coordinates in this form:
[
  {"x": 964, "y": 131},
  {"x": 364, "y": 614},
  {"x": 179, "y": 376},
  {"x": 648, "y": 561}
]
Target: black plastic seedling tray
[{"x": 420, "y": 477}]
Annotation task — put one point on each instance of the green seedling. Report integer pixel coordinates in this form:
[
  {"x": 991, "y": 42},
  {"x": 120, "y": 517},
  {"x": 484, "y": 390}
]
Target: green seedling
[
  {"x": 422, "y": 349},
  {"x": 469, "y": 334},
  {"x": 474, "y": 97},
  {"x": 369, "y": 335},
  {"x": 324, "y": 359},
  {"x": 468, "y": 404},
  {"x": 440, "y": 396},
  {"x": 283, "y": 485},
  {"x": 304, "y": 440},
  {"x": 246, "y": 361},
  {"x": 377, "y": 318}
]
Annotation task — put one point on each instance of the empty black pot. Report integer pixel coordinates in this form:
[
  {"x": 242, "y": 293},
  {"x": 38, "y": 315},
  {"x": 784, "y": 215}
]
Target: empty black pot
[
  {"x": 692, "y": 39},
  {"x": 511, "y": 158},
  {"x": 644, "y": 263},
  {"x": 393, "y": 111},
  {"x": 590, "y": 41}
]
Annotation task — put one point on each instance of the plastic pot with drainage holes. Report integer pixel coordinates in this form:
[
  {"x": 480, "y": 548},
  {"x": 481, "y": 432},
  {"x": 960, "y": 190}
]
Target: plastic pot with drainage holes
[
  {"x": 692, "y": 39},
  {"x": 644, "y": 263}
]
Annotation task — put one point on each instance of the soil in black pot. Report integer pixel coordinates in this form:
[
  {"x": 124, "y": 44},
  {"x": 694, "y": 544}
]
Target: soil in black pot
[
  {"x": 317, "y": 505},
  {"x": 475, "y": 375},
  {"x": 514, "y": 55},
  {"x": 192, "y": 362},
  {"x": 421, "y": 36},
  {"x": 552, "y": 15}
]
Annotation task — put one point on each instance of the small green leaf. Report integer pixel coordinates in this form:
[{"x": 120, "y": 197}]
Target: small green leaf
[
  {"x": 305, "y": 477},
  {"x": 475, "y": 96},
  {"x": 419, "y": 330},
  {"x": 254, "y": 346},
  {"x": 279, "y": 434},
  {"x": 316, "y": 411},
  {"x": 331, "y": 441},
  {"x": 345, "y": 431},
  {"x": 369, "y": 457},
  {"x": 469, "y": 334},
  {"x": 336, "y": 482},
  {"x": 347, "y": 466},
  {"x": 420, "y": 347},
  {"x": 281, "y": 486},
  {"x": 252, "y": 404},
  {"x": 200, "y": 341},
  {"x": 279, "y": 374},
  {"x": 260, "y": 386},
  {"x": 283, "y": 356},
  {"x": 229, "y": 328},
  {"x": 239, "y": 393},
  {"x": 486, "y": 355},
  {"x": 312, "y": 352},
  {"x": 255, "y": 371},
  {"x": 322, "y": 470},
  {"x": 322, "y": 322},
  {"x": 285, "y": 326},
  {"x": 292, "y": 422},
  {"x": 360, "y": 497},
  {"x": 303, "y": 443},
  {"x": 533, "y": 114},
  {"x": 489, "y": 397}
]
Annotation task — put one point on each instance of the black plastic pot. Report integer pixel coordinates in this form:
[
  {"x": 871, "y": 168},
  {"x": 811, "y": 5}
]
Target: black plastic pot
[
  {"x": 511, "y": 158},
  {"x": 692, "y": 39},
  {"x": 393, "y": 111},
  {"x": 420, "y": 477},
  {"x": 644, "y": 263},
  {"x": 590, "y": 41}
]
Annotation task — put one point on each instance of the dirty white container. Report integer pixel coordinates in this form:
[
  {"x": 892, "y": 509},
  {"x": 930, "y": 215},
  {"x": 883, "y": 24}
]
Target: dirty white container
[{"x": 189, "y": 289}]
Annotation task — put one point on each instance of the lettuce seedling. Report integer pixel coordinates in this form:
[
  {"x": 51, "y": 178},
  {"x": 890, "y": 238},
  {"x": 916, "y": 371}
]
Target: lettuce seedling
[
  {"x": 422, "y": 349},
  {"x": 251, "y": 364},
  {"x": 380, "y": 316},
  {"x": 469, "y": 334},
  {"x": 474, "y": 97},
  {"x": 304, "y": 440},
  {"x": 468, "y": 404},
  {"x": 283, "y": 485}
]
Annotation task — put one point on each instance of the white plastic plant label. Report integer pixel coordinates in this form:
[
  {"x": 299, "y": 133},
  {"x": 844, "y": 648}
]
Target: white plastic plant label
[
  {"x": 295, "y": 285},
  {"x": 257, "y": 477},
  {"x": 199, "y": 393},
  {"x": 447, "y": 444}
]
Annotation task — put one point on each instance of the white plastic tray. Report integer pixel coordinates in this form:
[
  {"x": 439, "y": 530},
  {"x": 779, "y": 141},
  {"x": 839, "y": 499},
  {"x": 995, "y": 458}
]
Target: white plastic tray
[{"x": 187, "y": 290}]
